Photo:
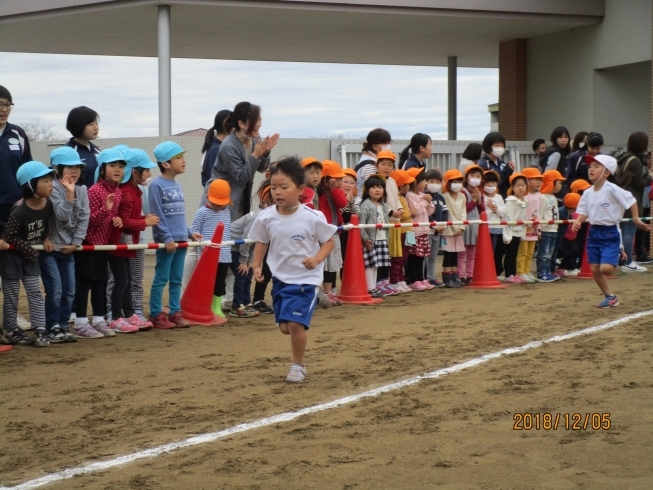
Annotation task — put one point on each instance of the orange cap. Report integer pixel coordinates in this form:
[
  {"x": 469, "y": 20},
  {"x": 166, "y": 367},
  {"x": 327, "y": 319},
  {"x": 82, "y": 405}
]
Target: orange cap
[
  {"x": 350, "y": 171},
  {"x": 452, "y": 174},
  {"x": 549, "y": 179},
  {"x": 571, "y": 200},
  {"x": 220, "y": 193},
  {"x": 473, "y": 167},
  {"x": 414, "y": 171},
  {"x": 386, "y": 155},
  {"x": 402, "y": 177},
  {"x": 310, "y": 160},
  {"x": 579, "y": 185},
  {"x": 531, "y": 173},
  {"x": 332, "y": 169},
  {"x": 515, "y": 175}
]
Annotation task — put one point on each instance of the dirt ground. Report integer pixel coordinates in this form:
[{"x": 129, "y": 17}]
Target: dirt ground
[{"x": 97, "y": 399}]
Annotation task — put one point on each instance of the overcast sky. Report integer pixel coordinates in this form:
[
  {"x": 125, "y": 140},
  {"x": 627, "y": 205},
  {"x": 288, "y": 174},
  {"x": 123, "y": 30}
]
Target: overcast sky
[{"x": 297, "y": 99}]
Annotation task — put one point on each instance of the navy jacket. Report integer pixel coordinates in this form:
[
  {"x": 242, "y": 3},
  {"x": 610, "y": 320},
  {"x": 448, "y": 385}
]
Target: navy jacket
[
  {"x": 88, "y": 156},
  {"x": 441, "y": 212},
  {"x": 577, "y": 168},
  {"x": 413, "y": 162},
  {"x": 14, "y": 151},
  {"x": 209, "y": 160},
  {"x": 504, "y": 171}
]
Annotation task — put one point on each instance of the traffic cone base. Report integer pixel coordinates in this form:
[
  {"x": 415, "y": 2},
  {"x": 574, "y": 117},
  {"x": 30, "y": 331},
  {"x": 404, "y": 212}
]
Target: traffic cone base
[
  {"x": 354, "y": 284},
  {"x": 485, "y": 276}
]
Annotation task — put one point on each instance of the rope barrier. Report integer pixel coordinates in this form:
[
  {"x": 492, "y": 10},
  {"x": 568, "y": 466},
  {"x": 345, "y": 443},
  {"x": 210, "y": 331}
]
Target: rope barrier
[{"x": 154, "y": 246}]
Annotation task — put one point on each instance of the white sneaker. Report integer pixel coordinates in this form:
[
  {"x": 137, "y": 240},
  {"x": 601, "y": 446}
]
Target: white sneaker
[
  {"x": 296, "y": 374},
  {"x": 403, "y": 287},
  {"x": 572, "y": 273},
  {"x": 532, "y": 277},
  {"x": 526, "y": 278},
  {"x": 23, "y": 324},
  {"x": 501, "y": 278},
  {"x": 633, "y": 267}
]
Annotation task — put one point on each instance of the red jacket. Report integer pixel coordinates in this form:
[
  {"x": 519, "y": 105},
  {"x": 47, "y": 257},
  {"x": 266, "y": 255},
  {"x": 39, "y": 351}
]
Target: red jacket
[
  {"x": 339, "y": 201},
  {"x": 100, "y": 227},
  {"x": 133, "y": 221}
]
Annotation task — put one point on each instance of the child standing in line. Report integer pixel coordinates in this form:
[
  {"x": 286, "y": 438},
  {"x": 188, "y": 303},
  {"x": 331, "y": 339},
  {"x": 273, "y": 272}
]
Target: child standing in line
[
  {"x": 515, "y": 211},
  {"x": 531, "y": 235},
  {"x": 420, "y": 204},
  {"x": 453, "y": 234},
  {"x": 167, "y": 202},
  {"x": 332, "y": 200},
  {"x": 351, "y": 209},
  {"x": 300, "y": 239},
  {"x": 475, "y": 205},
  {"x": 496, "y": 211},
  {"x": 71, "y": 215},
  {"x": 604, "y": 205},
  {"x": 552, "y": 182},
  {"x": 375, "y": 241},
  {"x": 397, "y": 264},
  {"x": 569, "y": 247},
  {"x": 433, "y": 188},
  {"x": 29, "y": 224},
  {"x": 313, "y": 172}
]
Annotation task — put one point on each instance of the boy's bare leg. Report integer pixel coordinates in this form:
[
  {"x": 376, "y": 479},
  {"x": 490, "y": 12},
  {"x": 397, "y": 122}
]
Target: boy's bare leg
[{"x": 600, "y": 272}]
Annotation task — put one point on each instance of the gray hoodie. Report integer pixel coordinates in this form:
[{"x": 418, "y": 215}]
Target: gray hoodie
[
  {"x": 240, "y": 229},
  {"x": 71, "y": 218}
]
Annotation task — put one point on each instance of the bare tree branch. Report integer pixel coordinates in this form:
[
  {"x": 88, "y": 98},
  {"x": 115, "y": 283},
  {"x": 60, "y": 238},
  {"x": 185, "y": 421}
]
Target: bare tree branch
[{"x": 41, "y": 130}]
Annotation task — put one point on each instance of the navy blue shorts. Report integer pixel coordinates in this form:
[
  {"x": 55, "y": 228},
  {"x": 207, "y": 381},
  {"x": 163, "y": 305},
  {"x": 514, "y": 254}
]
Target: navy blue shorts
[
  {"x": 603, "y": 245},
  {"x": 293, "y": 302}
]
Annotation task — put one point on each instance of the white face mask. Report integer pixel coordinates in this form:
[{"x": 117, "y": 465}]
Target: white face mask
[
  {"x": 146, "y": 182},
  {"x": 386, "y": 147},
  {"x": 490, "y": 189},
  {"x": 434, "y": 188},
  {"x": 498, "y": 151},
  {"x": 581, "y": 145},
  {"x": 474, "y": 182},
  {"x": 456, "y": 187}
]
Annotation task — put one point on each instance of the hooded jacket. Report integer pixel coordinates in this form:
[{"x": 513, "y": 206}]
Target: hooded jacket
[{"x": 632, "y": 176}]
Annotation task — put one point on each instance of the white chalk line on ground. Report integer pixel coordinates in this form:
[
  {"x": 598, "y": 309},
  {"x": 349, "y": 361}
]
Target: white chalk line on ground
[{"x": 288, "y": 416}]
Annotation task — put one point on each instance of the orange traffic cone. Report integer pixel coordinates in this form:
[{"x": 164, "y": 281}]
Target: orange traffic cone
[
  {"x": 5, "y": 348},
  {"x": 485, "y": 276},
  {"x": 354, "y": 284},
  {"x": 198, "y": 295},
  {"x": 585, "y": 268}
]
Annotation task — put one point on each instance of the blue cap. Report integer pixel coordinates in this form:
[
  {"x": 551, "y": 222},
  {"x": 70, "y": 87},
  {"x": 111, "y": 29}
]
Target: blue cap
[
  {"x": 121, "y": 148},
  {"x": 32, "y": 170},
  {"x": 107, "y": 156},
  {"x": 136, "y": 158},
  {"x": 65, "y": 155},
  {"x": 167, "y": 150}
]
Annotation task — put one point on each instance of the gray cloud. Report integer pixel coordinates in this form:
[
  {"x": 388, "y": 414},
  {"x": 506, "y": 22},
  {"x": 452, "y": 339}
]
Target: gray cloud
[{"x": 298, "y": 99}]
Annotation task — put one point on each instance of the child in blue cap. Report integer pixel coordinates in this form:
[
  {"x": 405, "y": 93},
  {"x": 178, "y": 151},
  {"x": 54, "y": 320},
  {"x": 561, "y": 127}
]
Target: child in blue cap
[
  {"x": 167, "y": 202},
  {"x": 29, "y": 224}
]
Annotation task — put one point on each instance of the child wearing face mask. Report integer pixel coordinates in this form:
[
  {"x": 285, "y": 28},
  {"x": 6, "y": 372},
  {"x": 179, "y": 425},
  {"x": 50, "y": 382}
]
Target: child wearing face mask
[
  {"x": 352, "y": 208},
  {"x": 494, "y": 147},
  {"x": 496, "y": 211},
  {"x": 475, "y": 205},
  {"x": 515, "y": 211},
  {"x": 421, "y": 207},
  {"x": 453, "y": 234},
  {"x": 433, "y": 188},
  {"x": 532, "y": 233}
]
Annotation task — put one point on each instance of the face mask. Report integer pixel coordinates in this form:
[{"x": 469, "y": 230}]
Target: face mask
[
  {"x": 456, "y": 187},
  {"x": 581, "y": 145},
  {"x": 386, "y": 147},
  {"x": 434, "y": 188},
  {"x": 490, "y": 189},
  {"x": 146, "y": 182},
  {"x": 474, "y": 182},
  {"x": 498, "y": 151}
]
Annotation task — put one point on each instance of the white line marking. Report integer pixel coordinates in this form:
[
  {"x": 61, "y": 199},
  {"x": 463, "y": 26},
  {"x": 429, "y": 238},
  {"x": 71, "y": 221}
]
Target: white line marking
[{"x": 288, "y": 416}]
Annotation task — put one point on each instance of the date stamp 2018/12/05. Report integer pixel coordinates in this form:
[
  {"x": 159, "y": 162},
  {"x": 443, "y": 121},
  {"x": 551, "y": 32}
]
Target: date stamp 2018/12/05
[{"x": 566, "y": 421}]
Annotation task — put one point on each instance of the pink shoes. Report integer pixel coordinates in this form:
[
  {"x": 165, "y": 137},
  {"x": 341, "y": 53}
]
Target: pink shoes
[
  {"x": 417, "y": 286},
  {"x": 514, "y": 280},
  {"x": 121, "y": 325},
  {"x": 427, "y": 285},
  {"x": 141, "y": 324}
]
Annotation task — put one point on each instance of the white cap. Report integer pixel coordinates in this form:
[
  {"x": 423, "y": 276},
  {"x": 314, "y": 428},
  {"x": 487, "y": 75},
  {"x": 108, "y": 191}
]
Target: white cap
[{"x": 607, "y": 161}]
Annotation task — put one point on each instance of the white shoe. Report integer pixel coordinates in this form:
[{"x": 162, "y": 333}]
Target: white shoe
[
  {"x": 23, "y": 324},
  {"x": 633, "y": 267},
  {"x": 532, "y": 277},
  {"x": 403, "y": 287},
  {"x": 501, "y": 278},
  {"x": 296, "y": 374},
  {"x": 526, "y": 278},
  {"x": 572, "y": 273}
]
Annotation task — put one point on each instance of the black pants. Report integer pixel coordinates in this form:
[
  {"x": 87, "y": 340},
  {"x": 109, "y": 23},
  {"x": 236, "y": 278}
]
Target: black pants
[
  {"x": 121, "y": 296},
  {"x": 330, "y": 278},
  {"x": 499, "y": 250},
  {"x": 98, "y": 291},
  {"x": 450, "y": 259},
  {"x": 383, "y": 273},
  {"x": 414, "y": 269},
  {"x": 260, "y": 287},
  {"x": 220, "y": 287},
  {"x": 510, "y": 259}
]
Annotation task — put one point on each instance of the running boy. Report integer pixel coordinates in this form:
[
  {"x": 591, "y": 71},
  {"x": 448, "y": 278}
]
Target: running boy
[
  {"x": 299, "y": 239},
  {"x": 603, "y": 205},
  {"x": 167, "y": 202}
]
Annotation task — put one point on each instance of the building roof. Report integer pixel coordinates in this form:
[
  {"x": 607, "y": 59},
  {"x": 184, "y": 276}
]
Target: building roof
[{"x": 200, "y": 132}]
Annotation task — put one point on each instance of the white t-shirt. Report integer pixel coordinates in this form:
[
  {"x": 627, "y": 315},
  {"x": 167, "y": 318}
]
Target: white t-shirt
[
  {"x": 292, "y": 239},
  {"x": 606, "y": 206}
]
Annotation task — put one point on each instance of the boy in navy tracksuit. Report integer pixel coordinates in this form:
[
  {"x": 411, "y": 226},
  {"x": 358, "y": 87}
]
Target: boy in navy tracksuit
[{"x": 441, "y": 213}]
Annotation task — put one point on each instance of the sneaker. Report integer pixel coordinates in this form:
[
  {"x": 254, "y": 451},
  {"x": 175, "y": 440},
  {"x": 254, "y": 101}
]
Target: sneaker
[
  {"x": 464, "y": 281},
  {"x": 375, "y": 293},
  {"x": 513, "y": 280},
  {"x": 226, "y": 306},
  {"x": 122, "y": 325},
  {"x": 560, "y": 273},
  {"x": 243, "y": 312},
  {"x": 296, "y": 374},
  {"x": 403, "y": 287},
  {"x": 178, "y": 320},
  {"x": 161, "y": 321},
  {"x": 141, "y": 317},
  {"x": 526, "y": 279},
  {"x": 23, "y": 324},
  {"x": 41, "y": 338},
  {"x": 435, "y": 283},
  {"x": 427, "y": 285},
  {"x": 644, "y": 259},
  {"x": 141, "y": 324},
  {"x": 417, "y": 286},
  {"x": 333, "y": 299},
  {"x": 393, "y": 288},
  {"x": 501, "y": 278},
  {"x": 572, "y": 273},
  {"x": 609, "y": 302},
  {"x": 322, "y": 299},
  {"x": 68, "y": 337},
  {"x": 546, "y": 278},
  {"x": 386, "y": 290},
  {"x": 531, "y": 277},
  {"x": 633, "y": 267},
  {"x": 56, "y": 336},
  {"x": 87, "y": 332},
  {"x": 18, "y": 337},
  {"x": 104, "y": 329},
  {"x": 262, "y": 308}
]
